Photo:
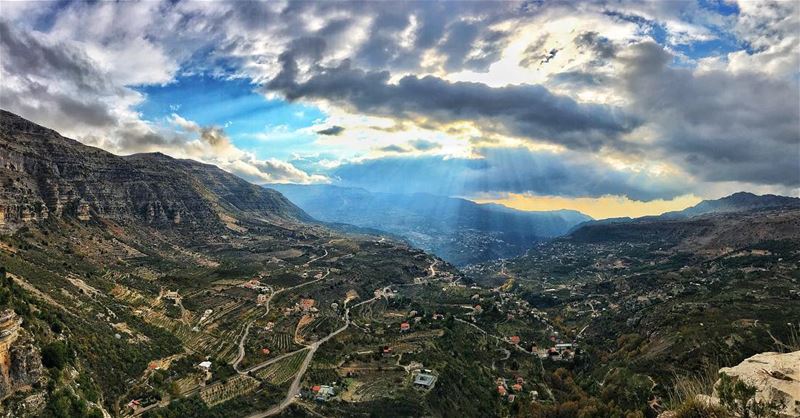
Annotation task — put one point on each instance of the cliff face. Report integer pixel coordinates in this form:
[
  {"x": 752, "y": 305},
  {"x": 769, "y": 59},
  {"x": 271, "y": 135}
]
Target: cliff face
[
  {"x": 43, "y": 175},
  {"x": 20, "y": 362}
]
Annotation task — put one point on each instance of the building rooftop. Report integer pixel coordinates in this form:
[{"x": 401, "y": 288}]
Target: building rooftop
[{"x": 424, "y": 379}]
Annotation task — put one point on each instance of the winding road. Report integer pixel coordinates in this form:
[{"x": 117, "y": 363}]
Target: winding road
[
  {"x": 242, "y": 341},
  {"x": 294, "y": 388}
]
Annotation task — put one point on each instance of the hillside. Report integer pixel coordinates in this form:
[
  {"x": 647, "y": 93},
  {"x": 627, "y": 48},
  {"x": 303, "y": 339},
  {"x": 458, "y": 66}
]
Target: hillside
[
  {"x": 45, "y": 175},
  {"x": 665, "y": 300},
  {"x": 458, "y": 230},
  {"x": 155, "y": 287},
  {"x": 739, "y": 202},
  {"x": 712, "y": 227}
]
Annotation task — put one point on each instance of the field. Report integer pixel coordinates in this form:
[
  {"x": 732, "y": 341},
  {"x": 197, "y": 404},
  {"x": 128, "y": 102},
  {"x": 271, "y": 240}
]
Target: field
[
  {"x": 282, "y": 371},
  {"x": 233, "y": 388}
]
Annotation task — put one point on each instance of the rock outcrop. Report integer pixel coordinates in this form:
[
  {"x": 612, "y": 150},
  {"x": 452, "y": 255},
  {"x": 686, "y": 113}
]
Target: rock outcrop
[
  {"x": 20, "y": 362},
  {"x": 775, "y": 375}
]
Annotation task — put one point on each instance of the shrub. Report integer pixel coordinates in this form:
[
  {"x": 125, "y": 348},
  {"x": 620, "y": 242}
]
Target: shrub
[
  {"x": 740, "y": 398},
  {"x": 694, "y": 408},
  {"x": 55, "y": 355}
]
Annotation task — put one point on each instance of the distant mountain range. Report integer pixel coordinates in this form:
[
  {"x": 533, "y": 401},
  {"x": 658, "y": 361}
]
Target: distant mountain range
[
  {"x": 712, "y": 226},
  {"x": 458, "y": 230},
  {"x": 737, "y": 202}
]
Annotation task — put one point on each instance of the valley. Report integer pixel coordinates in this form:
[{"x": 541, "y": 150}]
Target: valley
[
  {"x": 459, "y": 231},
  {"x": 154, "y": 287}
]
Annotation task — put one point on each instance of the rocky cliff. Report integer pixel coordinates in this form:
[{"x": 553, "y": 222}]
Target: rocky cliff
[
  {"x": 44, "y": 174},
  {"x": 20, "y": 361}
]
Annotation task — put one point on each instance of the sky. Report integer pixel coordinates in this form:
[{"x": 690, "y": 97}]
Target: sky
[{"x": 614, "y": 108}]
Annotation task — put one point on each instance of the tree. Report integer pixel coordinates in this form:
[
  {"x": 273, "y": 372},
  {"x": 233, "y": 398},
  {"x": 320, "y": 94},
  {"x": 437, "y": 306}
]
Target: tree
[{"x": 55, "y": 355}]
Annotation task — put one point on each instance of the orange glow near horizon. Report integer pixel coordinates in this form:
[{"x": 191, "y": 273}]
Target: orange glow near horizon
[{"x": 598, "y": 208}]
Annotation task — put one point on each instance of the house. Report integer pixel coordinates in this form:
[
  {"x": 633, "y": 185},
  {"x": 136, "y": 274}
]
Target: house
[
  {"x": 501, "y": 390},
  {"x": 307, "y": 304},
  {"x": 517, "y": 387},
  {"x": 514, "y": 339},
  {"x": 386, "y": 351},
  {"x": 262, "y": 298},
  {"x": 424, "y": 380},
  {"x": 205, "y": 365},
  {"x": 265, "y": 351},
  {"x": 511, "y": 398},
  {"x": 405, "y": 326},
  {"x": 315, "y": 388},
  {"x": 478, "y": 309},
  {"x": 252, "y": 284},
  {"x": 438, "y": 316},
  {"x": 562, "y": 347},
  {"x": 324, "y": 393}
]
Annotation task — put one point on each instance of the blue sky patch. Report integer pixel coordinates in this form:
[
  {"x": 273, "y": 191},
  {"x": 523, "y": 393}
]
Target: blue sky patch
[{"x": 252, "y": 121}]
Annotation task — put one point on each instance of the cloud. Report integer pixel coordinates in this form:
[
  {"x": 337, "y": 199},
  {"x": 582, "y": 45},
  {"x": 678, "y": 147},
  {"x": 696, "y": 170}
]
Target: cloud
[
  {"x": 394, "y": 149},
  {"x": 424, "y": 145},
  {"x": 332, "y": 131},
  {"x": 527, "y": 110},
  {"x": 52, "y": 82},
  {"x": 718, "y": 125},
  {"x": 212, "y": 145},
  {"x": 711, "y": 94},
  {"x": 510, "y": 170}
]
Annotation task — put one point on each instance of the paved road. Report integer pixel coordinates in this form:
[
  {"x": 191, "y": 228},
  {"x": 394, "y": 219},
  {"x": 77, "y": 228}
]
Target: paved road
[
  {"x": 242, "y": 341},
  {"x": 294, "y": 389}
]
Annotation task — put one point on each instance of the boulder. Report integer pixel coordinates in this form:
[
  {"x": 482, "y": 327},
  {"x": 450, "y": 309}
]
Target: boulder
[{"x": 775, "y": 375}]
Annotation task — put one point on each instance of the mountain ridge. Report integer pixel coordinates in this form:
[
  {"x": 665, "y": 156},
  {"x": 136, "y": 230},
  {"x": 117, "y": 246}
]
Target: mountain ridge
[
  {"x": 46, "y": 174},
  {"x": 736, "y": 202}
]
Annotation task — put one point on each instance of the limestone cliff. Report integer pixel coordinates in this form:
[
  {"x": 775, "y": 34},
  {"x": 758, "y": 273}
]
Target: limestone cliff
[{"x": 43, "y": 175}]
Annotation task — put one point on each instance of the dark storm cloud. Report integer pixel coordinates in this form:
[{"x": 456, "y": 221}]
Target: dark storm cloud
[
  {"x": 521, "y": 110},
  {"x": 53, "y": 108},
  {"x": 515, "y": 170},
  {"x": 719, "y": 126},
  {"x": 332, "y": 131}
]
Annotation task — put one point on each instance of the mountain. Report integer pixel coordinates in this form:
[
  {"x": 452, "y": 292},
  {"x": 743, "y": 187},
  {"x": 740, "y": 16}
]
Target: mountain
[
  {"x": 660, "y": 305},
  {"x": 120, "y": 275},
  {"x": 738, "y": 202},
  {"x": 45, "y": 175},
  {"x": 458, "y": 230}
]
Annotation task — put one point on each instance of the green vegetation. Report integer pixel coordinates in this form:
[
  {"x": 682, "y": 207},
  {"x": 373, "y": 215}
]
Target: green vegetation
[
  {"x": 740, "y": 399},
  {"x": 55, "y": 355}
]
